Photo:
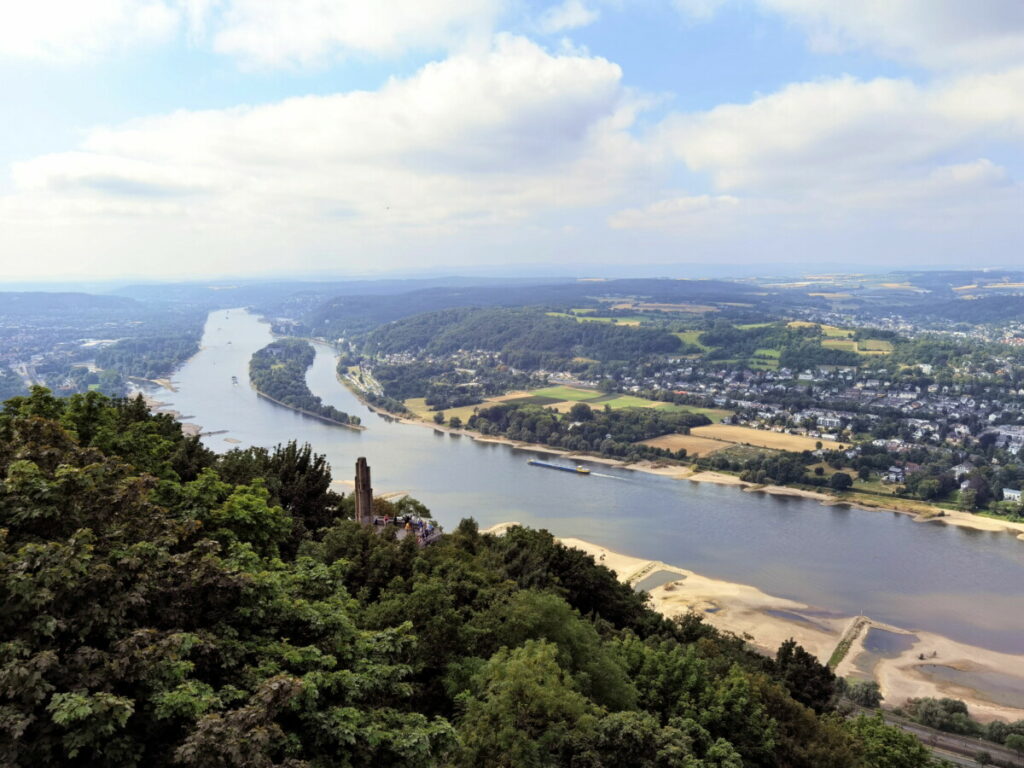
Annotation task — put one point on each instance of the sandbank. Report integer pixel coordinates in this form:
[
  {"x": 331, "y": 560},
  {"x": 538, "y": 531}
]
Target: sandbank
[{"x": 766, "y": 621}]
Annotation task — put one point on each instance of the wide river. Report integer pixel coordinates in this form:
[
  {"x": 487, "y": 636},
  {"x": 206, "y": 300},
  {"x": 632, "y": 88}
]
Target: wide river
[{"x": 960, "y": 583}]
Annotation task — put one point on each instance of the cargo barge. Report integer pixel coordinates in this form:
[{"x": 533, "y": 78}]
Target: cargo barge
[{"x": 547, "y": 465}]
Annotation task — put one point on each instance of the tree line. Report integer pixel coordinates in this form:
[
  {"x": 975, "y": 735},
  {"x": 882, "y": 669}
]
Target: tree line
[
  {"x": 166, "y": 606},
  {"x": 583, "y": 428}
]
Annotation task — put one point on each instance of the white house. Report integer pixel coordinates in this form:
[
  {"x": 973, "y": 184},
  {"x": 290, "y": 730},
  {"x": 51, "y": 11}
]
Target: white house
[{"x": 1010, "y": 494}]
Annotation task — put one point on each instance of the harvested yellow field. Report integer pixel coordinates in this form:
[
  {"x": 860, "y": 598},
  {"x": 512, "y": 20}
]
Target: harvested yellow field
[
  {"x": 420, "y": 408},
  {"x": 692, "y": 444},
  {"x": 830, "y": 331},
  {"x": 650, "y": 306},
  {"x": 510, "y": 396},
  {"x": 762, "y": 438}
]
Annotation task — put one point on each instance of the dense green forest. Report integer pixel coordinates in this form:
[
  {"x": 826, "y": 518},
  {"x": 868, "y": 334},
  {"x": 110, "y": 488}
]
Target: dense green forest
[
  {"x": 798, "y": 348},
  {"x": 165, "y": 606},
  {"x": 601, "y": 430},
  {"x": 279, "y": 371},
  {"x": 149, "y": 357},
  {"x": 523, "y": 338}
]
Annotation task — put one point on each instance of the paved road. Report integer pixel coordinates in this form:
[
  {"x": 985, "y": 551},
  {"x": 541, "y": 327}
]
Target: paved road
[{"x": 952, "y": 743}]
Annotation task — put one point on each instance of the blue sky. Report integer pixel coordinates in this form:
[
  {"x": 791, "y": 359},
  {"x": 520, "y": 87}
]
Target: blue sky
[{"x": 247, "y": 137}]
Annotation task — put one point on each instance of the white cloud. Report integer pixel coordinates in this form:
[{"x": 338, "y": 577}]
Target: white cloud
[
  {"x": 71, "y": 30},
  {"x": 265, "y": 33},
  {"x": 846, "y": 132},
  {"x": 571, "y": 14},
  {"x": 477, "y": 140},
  {"x": 672, "y": 213},
  {"x": 934, "y": 33},
  {"x": 302, "y": 32},
  {"x": 876, "y": 170}
]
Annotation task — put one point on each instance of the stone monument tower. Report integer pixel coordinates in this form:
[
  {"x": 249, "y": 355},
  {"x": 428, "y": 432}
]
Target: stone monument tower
[{"x": 364, "y": 493}]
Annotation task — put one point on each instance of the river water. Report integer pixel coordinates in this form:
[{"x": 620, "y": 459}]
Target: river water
[{"x": 957, "y": 582}]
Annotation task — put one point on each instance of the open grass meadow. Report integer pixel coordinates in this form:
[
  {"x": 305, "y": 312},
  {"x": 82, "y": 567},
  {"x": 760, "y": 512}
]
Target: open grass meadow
[
  {"x": 875, "y": 346},
  {"x": 867, "y": 347},
  {"x": 586, "y": 318},
  {"x": 691, "y": 337},
  {"x": 562, "y": 392}
]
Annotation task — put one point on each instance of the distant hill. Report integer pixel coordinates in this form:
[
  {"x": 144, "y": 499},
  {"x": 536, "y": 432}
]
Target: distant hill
[
  {"x": 30, "y": 303},
  {"x": 347, "y": 314},
  {"x": 518, "y": 334}
]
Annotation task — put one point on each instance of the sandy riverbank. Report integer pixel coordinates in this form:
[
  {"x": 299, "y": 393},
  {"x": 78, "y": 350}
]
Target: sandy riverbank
[
  {"x": 767, "y": 621},
  {"x": 157, "y": 406}
]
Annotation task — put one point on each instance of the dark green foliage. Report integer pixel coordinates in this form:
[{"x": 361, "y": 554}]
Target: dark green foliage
[
  {"x": 798, "y": 348},
  {"x": 609, "y": 432},
  {"x": 840, "y": 481},
  {"x": 865, "y": 693},
  {"x": 948, "y": 715},
  {"x": 149, "y": 357},
  {"x": 279, "y": 371},
  {"x": 882, "y": 746},
  {"x": 522, "y": 338},
  {"x": 159, "y": 611},
  {"x": 808, "y": 681}
]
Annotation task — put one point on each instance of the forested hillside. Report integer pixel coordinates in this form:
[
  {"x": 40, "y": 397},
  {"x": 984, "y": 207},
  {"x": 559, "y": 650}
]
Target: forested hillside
[
  {"x": 165, "y": 606},
  {"x": 347, "y": 314},
  {"x": 279, "y": 371},
  {"x": 525, "y": 339},
  {"x": 150, "y": 357}
]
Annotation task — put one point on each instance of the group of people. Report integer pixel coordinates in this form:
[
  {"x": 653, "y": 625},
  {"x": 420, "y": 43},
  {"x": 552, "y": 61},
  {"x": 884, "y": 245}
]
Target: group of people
[{"x": 424, "y": 529}]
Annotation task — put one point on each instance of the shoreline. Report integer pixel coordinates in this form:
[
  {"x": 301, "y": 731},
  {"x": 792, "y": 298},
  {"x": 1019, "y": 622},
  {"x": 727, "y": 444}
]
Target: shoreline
[
  {"x": 304, "y": 412},
  {"x": 928, "y": 513},
  {"x": 765, "y": 621}
]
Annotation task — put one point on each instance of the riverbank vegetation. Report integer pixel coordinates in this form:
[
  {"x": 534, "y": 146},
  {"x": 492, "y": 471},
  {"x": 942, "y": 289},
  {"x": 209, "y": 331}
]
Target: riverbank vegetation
[
  {"x": 279, "y": 371},
  {"x": 605, "y": 431},
  {"x": 953, "y": 716},
  {"x": 164, "y": 605}
]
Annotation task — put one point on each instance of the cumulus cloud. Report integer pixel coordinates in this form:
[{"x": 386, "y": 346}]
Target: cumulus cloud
[
  {"x": 933, "y": 33},
  {"x": 301, "y": 32},
  {"x": 71, "y": 30},
  {"x": 571, "y": 14},
  {"x": 479, "y": 139},
  {"x": 672, "y": 213},
  {"x": 884, "y": 165},
  {"x": 264, "y": 33},
  {"x": 846, "y": 132}
]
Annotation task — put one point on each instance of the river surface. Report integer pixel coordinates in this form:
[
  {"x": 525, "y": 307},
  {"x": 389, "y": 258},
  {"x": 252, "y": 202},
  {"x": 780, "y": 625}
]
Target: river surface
[{"x": 957, "y": 582}]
